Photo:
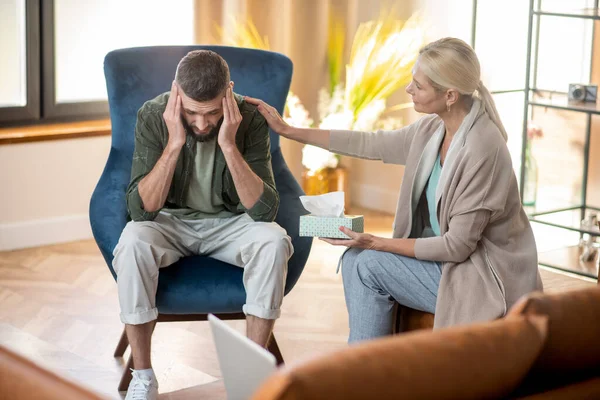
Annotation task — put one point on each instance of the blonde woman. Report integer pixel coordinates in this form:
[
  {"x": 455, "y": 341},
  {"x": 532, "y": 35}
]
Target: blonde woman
[{"x": 462, "y": 246}]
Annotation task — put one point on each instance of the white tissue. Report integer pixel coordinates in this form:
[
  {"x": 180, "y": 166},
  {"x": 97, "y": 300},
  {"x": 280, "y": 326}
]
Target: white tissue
[{"x": 325, "y": 205}]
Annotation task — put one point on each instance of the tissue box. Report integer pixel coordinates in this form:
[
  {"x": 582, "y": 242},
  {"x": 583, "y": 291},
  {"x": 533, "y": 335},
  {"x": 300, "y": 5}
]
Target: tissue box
[{"x": 329, "y": 227}]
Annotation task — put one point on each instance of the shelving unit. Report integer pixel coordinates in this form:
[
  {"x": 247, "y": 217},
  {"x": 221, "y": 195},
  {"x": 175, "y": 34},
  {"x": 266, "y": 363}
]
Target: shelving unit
[
  {"x": 586, "y": 14},
  {"x": 566, "y": 259}
]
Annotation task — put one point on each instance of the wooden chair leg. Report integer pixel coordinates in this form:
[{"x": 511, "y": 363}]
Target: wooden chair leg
[
  {"x": 274, "y": 349},
  {"x": 122, "y": 345},
  {"x": 126, "y": 377}
]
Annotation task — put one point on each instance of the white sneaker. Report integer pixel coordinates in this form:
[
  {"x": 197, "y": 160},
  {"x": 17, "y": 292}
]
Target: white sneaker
[{"x": 142, "y": 388}]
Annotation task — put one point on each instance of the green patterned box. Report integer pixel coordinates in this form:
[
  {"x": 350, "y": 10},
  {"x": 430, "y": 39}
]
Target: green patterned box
[{"x": 329, "y": 227}]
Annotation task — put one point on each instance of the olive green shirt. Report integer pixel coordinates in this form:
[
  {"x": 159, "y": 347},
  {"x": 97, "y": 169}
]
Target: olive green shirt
[
  {"x": 202, "y": 201},
  {"x": 252, "y": 140}
]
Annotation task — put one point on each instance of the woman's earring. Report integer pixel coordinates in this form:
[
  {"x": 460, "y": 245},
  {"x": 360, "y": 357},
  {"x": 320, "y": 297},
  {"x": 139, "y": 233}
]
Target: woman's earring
[{"x": 448, "y": 107}]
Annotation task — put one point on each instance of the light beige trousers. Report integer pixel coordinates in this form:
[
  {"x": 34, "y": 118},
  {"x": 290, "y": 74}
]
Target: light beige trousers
[{"x": 261, "y": 248}]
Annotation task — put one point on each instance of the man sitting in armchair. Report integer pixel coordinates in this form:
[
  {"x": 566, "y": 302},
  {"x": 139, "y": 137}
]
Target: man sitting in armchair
[{"x": 201, "y": 183}]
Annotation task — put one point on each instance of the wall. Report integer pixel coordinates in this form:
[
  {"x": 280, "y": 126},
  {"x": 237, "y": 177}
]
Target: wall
[{"x": 46, "y": 188}]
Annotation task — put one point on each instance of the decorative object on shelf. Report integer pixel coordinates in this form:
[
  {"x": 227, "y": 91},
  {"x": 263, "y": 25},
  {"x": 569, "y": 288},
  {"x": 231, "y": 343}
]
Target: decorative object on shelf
[
  {"x": 531, "y": 166},
  {"x": 587, "y": 241},
  {"x": 578, "y": 92}
]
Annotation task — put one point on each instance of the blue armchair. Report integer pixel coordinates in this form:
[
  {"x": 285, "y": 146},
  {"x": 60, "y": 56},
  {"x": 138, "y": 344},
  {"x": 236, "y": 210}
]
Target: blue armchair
[{"x": 194, "y": 286}]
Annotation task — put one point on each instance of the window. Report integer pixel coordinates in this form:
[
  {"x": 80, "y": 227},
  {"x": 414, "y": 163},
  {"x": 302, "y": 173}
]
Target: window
[
  {"x": 56, "y": 48},
  {"x": 501, "y": 43},
  {"x": 19, "y": 70}
]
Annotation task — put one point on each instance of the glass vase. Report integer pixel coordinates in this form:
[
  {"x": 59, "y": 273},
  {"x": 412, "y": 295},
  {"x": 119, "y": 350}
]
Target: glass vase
[
  {"x": 326, "y": 180},
  {"x": 531, "y": 178},
  {"x": 315, "y": 182}
]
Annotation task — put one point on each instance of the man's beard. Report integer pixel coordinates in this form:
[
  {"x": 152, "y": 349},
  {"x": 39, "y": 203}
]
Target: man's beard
[{"x": 203, "y": 137}]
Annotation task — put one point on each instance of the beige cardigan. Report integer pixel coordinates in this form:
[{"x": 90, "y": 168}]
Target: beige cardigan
[{"x": 486, "y": 245}]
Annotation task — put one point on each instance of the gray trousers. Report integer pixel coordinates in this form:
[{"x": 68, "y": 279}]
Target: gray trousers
[
  {"x": 375, "y": 280},
  {"x": 262, "y": 249}
]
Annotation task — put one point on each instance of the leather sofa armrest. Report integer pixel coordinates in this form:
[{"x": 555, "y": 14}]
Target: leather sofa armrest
[{"x": 21, "y": 379}]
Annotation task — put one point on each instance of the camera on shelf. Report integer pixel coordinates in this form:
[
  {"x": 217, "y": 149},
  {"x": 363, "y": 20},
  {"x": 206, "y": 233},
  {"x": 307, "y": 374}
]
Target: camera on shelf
[{"x": 583, "y": 93}]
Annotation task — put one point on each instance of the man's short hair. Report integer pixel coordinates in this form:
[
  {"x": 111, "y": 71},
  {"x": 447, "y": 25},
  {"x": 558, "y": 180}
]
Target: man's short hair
[{"x": 202, "y": 75}]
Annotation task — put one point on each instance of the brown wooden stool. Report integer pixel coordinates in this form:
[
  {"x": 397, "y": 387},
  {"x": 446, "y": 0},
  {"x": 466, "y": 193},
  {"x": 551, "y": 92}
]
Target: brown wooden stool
[{"x": 408, "y": 319}]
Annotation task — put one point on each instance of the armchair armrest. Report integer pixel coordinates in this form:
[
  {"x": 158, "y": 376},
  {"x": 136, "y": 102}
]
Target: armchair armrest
[{"x": 108, "y": 209}]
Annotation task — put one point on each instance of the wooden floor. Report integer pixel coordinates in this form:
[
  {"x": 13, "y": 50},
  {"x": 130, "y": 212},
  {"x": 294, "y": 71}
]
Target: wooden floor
[{"x": 58, "y": 307}]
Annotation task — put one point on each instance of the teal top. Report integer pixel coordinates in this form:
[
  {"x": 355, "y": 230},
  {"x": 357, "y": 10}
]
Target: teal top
[{"x": 432, "y": 184}]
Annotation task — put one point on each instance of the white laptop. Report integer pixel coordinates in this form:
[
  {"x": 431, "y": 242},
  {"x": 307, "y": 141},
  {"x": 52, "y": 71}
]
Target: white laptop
[{"x": 244, "y": 364}]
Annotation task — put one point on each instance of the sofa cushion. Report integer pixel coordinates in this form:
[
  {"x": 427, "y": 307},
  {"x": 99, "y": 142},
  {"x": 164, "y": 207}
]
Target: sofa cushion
[
  {"x": 469, "y": 362},
  {"x": 586, "y": 390},
  {"x": 573, "y": 329},
  {"x": 571, "y": 353}
]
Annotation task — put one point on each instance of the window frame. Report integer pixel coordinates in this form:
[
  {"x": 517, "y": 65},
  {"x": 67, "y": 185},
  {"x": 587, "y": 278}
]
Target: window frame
[
  {"x": 52, "y": 109},
  {"x": 31, "y": 110},
  {"x": 41, "y": 106}
]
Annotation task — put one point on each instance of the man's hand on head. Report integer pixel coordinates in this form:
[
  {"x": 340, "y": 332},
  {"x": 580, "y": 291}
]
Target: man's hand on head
[
  {"x": 172, "y": 117},
  {"x": 231, "y": 120}
]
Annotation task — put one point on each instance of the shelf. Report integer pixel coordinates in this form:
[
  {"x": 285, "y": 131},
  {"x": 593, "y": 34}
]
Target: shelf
[
  {"x": 507, "y": 91},
  {"x": 558, "y": 231},
  {"x": 590, "y": 13},
  {"x": 567, "y": 259},
  {"x": 561, "y": 102},
  {"x": 565, "y": 218},
  {"x": 67, "y": 130}
]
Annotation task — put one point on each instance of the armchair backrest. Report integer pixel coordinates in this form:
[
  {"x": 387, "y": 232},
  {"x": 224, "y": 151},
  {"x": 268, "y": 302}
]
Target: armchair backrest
[{"x": 136, "y": 75}]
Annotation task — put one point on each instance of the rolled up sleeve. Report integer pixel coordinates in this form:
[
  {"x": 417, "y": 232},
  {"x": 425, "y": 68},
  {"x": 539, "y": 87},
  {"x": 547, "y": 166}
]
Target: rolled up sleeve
[
  {"x": 258, "y": 156},
  {"x": 459, "y": 242},
  {"x": 480, "y": 196},
  {"x": 146, "y": 153}
]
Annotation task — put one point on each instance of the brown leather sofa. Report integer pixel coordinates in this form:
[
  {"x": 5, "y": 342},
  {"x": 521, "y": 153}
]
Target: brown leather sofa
[
  {"x": 547, "y": 347},
  {"x": 21, "y": 379}
]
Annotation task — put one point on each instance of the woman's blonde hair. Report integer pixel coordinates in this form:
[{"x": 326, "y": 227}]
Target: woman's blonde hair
[{"x": 450, "y": 63}]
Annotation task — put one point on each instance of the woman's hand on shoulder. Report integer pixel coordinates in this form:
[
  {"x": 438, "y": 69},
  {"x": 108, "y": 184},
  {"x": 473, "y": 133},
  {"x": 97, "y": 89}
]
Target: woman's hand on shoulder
[{"x": 271, "y": 115}]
